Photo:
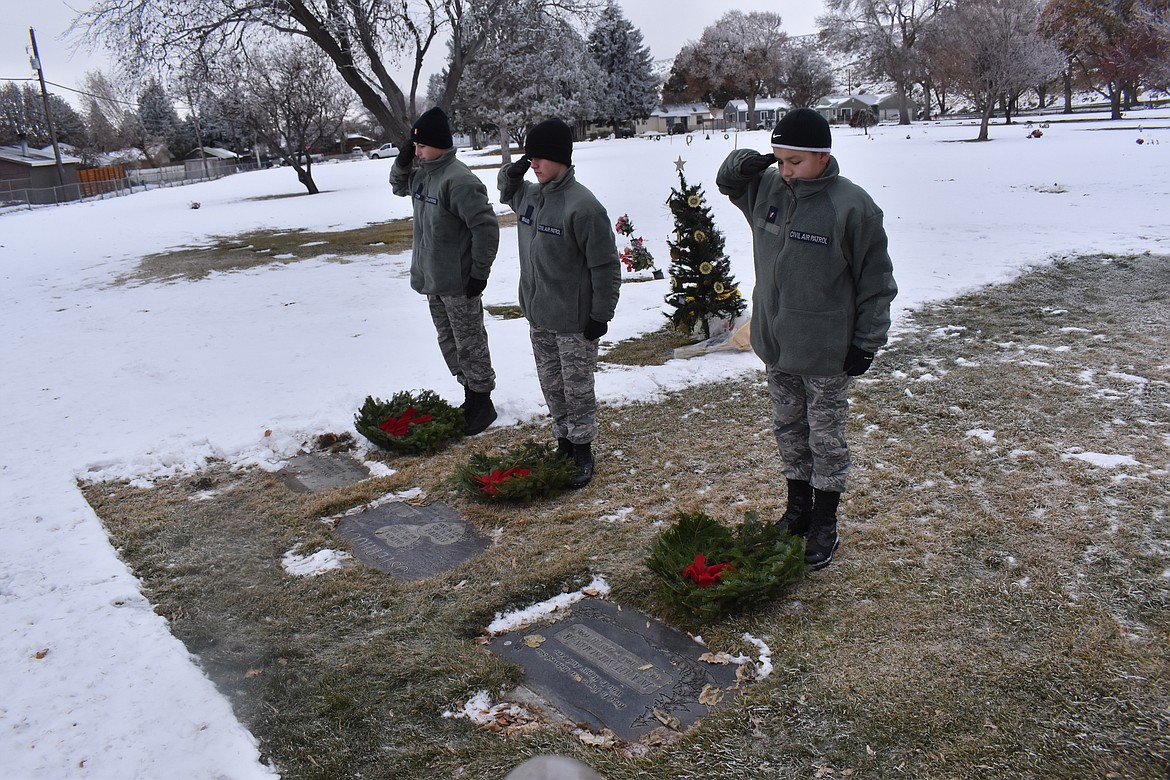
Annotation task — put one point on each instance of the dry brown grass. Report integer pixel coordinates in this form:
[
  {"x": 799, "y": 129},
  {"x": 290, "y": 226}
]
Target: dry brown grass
[
  {"x": 997, "y": 609},
  {"x": 275, "y": 247}
]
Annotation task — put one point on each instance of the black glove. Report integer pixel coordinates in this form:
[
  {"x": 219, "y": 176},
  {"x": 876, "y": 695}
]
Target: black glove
[
  {"x": 858, "y": 361},
  {"x": 595, "y": 330},
  {"x": 517, "y": 169},
  {"x": 756, "y": 164},
  {"x": 405, "y": 155},
  {"x": 475, "y": 286}
]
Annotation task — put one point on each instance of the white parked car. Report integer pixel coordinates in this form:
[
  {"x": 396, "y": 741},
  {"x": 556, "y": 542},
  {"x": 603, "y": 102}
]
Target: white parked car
[{"x": 385, "y": 150}]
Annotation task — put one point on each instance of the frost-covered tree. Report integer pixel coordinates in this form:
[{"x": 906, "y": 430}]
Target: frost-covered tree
[
  {"x": 1001, "y": 52},
  {"x": 158, "y": 120},
  {"x": 365, "y": 41},
  {"x": 740, "y": 55},
  {"x": 287, "y": 95},
  {"x": 629, "y": 88},
  {"x": 883, "y": 35},
  {"x": 807, "y": 76},
  {"x": 109, "y": 113},
  {"x": 22, "y": 114},
  {"x": 530, "y": 70}
]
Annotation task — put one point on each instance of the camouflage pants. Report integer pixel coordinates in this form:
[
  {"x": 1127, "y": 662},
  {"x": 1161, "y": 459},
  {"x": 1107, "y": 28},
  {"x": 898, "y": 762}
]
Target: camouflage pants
[
  {"x": 565, "y": 363},
  {"x": 809, "y": 415},
  {"x": 463, "y": 340}
]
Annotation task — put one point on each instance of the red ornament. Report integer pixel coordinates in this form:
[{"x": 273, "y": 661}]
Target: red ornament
[
  {"x": 400, "y": 426},
  {"x": 703, "y": 575},
  {"x": 498, "y": 477}
]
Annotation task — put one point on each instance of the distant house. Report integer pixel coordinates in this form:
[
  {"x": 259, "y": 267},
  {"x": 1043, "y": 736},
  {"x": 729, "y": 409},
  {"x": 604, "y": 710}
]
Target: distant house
[
  {"x": 768, "y": 112},
  {"x": 211, "y": 152},
  {"x": 33, "y": 174},
  {"x": 677, "y": 117},
  {"x": 840, "y": 109}
]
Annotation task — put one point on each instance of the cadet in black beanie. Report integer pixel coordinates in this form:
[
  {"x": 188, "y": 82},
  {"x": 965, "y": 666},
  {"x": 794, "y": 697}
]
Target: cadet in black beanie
[
  {"x": 456, "y": 235},
  {"x": 820, "y": 308},
  {"x": 570, "y": 279},
  {"x": 432, "y": 129},
  {"x": 552, "y": 140}
]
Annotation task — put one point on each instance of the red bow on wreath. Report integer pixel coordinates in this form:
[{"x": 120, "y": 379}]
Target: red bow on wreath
[
  {"x": 400, "y": 426},
  {"x": 498, "y": 477},
  {"x": 703, "y": 575}
]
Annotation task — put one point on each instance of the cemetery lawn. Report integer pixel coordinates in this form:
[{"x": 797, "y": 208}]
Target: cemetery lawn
[{"x": 999, "y": 606}]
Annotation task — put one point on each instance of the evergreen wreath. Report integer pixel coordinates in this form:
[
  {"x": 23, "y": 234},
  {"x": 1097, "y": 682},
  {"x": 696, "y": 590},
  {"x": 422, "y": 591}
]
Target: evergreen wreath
[
  {"x": 409, "y": 422},
  {"x": 753, "y": 563},
  {"x": 527, "y": 473}
]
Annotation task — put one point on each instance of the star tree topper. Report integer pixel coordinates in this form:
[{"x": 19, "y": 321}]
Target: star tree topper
[{"x": 679, "y": 163}]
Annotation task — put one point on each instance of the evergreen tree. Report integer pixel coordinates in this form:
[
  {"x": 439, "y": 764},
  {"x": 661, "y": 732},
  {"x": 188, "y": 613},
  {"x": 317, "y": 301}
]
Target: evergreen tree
[
  {"x": 156, "y": 112},
  {"x": 630, "y": 88},
  {"x": 22, "y": 112},
  {"x": 701, "y": 285}
]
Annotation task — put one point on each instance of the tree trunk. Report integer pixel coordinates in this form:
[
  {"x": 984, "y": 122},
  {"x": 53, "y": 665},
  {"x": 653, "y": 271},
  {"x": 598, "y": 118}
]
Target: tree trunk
[
  {"x": 903, "y": 105},
  {"x": 988, "y": 105},
  {"x": 1114, "y": 102},
  {"x": 305, "y": 177},
  {"x": 1067, "y": 77},
  {"x": 505, "y": 146},
  {"x": 751, "y": 107}
]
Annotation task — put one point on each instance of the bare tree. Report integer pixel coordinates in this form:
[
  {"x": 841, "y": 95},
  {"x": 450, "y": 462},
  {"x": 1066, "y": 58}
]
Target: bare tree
[
  {"x": 807, "y": 76},
  {"x": 741, "y": 55},
  {"x": 288, "y": 96},
  {"x": 362, "y": 38},
  {"x": 884, "y": 34},
  {"x": 1001, "y": 51}
]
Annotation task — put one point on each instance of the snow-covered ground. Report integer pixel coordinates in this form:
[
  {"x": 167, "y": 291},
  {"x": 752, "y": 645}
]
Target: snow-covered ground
[{"x": 141, "y": 380}]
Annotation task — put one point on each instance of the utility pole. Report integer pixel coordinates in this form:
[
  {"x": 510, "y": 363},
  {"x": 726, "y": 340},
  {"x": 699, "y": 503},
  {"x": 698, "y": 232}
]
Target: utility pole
[{"x": 36, "y": 63}]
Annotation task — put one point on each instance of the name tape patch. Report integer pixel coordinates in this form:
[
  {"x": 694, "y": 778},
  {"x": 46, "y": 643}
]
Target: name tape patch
[{"x": 811, "y": 238}]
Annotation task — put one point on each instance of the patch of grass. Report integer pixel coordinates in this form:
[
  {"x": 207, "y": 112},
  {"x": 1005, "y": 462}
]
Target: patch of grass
[
  {"x": 508, "y": 312},
  {"x": 268, "y": 247},
  {"x": 650, "y": 349},
  {"x": 998, "y": 607}
]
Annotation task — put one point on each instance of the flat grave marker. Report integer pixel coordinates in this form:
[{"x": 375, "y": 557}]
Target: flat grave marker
[
  {"x": 316, "y": 472},
  {"x": 410, "y": 541},
  {"x": 613, "y": 667}
]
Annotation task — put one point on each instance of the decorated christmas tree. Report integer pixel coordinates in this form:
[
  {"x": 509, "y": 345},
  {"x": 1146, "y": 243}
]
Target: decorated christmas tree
[{"x": 702, "y": 288}]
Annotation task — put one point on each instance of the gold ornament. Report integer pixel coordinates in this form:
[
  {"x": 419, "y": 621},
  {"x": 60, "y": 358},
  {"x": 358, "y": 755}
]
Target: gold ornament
[
  {"x": 700, "y": 236},
  {"x": 705, "y": 268},
  {"x": 694, "y": 201},
  {"x": 718, "y": 287}
]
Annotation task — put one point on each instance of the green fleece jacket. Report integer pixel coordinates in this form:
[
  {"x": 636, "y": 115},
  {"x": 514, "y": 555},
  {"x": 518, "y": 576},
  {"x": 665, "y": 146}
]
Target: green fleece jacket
[
  {"x": 824, "y": 279},
  {"x": 456, "y": 233},
  {"x": 569, "y": 268}
]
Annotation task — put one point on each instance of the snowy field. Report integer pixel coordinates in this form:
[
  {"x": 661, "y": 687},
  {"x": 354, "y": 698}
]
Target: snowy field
[{"x": 135, "y": 381}]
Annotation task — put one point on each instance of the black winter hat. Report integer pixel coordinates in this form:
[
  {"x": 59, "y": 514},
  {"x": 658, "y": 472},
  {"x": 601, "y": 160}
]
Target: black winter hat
[
  {"x": 432, "y": 129},
  {"x": 552, "y": 140},
  {"x": 804, "y": 130}
]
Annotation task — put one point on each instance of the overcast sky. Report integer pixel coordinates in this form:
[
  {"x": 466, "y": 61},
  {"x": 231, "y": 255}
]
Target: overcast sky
[{"x": 665, "y": 24}]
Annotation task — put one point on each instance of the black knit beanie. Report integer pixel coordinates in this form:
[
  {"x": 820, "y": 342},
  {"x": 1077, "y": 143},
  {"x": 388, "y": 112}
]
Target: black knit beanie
[
  {"x": 804, "y": 130},
  {"x": 552, "y": 140},
  {"x": 432, "y": 129}
]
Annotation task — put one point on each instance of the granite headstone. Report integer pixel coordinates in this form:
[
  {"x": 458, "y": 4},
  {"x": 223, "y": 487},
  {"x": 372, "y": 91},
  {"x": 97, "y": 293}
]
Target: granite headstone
[
  {"x": 612, "y": 667},
  {"x": 412, "y": 541}
]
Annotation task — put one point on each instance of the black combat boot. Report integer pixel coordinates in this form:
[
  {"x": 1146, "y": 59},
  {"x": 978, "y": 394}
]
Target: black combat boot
[
  {"x": 797, "y": 518},
  {"x": 583, "y": 457},
  {"x": 564, "y": 447},
  {"x": 466, "y": 399},
  {"x": 822, "y": 532},
  {"x": 479, "y": 414}
]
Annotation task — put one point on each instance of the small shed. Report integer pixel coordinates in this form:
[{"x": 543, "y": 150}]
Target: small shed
[{"x": 34, "y": 174}]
